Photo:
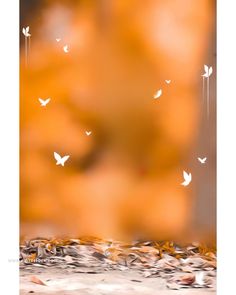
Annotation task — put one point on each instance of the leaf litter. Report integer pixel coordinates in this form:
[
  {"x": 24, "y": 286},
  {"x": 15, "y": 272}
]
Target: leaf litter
[{"x": 186, "y": 266}]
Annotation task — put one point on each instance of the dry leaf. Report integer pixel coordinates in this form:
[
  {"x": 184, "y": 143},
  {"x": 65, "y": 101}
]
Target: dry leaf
[
  {"x": 174, "y": 263},
  {"x": 188, "y": 279},
  {"x": 173, "y": 286},
  {"x": 36, "y": 280}
]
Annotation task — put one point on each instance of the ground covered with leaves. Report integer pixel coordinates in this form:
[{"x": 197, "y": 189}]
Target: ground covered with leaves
[{"x": 96, "y": 266}]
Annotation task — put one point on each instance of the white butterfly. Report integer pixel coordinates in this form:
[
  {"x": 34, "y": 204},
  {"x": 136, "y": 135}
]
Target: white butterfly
[
  {"x": 66, "y": 49},
  {"x": 60, "y": 160},
  {"x": 199, "y": 278},
  {"x": 25, "y": 31},
  {"x": 88, "y": 132},
  {"x": 168, "y": 81},
  {"x": 58, "y": 39},
  {"x": 202, "y": 161},
  {"x": 44, "y": 102},
  {"x": 208, "y": 71},
  {"x": 157, "y": 94},
  {"x": 187, "y": 178}
]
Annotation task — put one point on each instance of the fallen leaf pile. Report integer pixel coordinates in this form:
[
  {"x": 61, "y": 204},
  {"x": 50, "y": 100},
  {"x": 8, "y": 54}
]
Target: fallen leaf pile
[{"x": 188, "y": 266}]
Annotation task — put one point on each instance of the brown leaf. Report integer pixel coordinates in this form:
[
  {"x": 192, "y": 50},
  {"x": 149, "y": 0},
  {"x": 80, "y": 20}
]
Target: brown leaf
[
  {"x": 186, "y": 268},
  {"x": 173, "y": 286},
  {"x": 188, "y": 279},
  {"x": 36, "y": 280}
]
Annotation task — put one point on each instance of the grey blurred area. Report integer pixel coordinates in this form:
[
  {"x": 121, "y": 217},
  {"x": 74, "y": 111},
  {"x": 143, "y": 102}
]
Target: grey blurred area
[{"x": 205, "y": 203}]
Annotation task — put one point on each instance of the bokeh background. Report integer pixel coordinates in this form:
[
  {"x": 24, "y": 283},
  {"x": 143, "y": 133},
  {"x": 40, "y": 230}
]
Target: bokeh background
[{"x": 122, "y": 181}]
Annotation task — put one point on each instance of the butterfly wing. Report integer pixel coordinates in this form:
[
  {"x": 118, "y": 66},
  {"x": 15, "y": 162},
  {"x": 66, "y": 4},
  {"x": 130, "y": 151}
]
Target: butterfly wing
[
  {"x": 210, "y": 71},
  {"x": 64, "y": 159},
  {"x": 41, "y": 100},
  {"x": 202, "y": 160},
  {"x": 57, "y": 156},
  {"x": 206, "y": 69},
  {"x": 65, "y": 48},
  {"x": 158, "y": 93},
  {"x": 187, "y": 176}
]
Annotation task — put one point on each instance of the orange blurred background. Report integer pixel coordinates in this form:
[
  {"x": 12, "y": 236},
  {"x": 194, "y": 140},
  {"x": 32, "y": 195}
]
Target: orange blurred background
[{"x": 124, "y": 179}]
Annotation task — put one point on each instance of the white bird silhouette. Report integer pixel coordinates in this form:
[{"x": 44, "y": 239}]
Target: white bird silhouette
[
  {"x": 187, "y": 178},
  {"x": 58, "y": 39},
  {"x": 168, "y": 81},
  {"x": 202, "y": 161},
  {"x": 88, "y": 132},
  {"x": 60, "y": 160},
  {"x": 25, "y": 31},
  {"x": 66, "y": 49},
  {"x": 208, "y": 71},
  {"x": 44, "y": 102},
  {"x": 157, "y": 94}
]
